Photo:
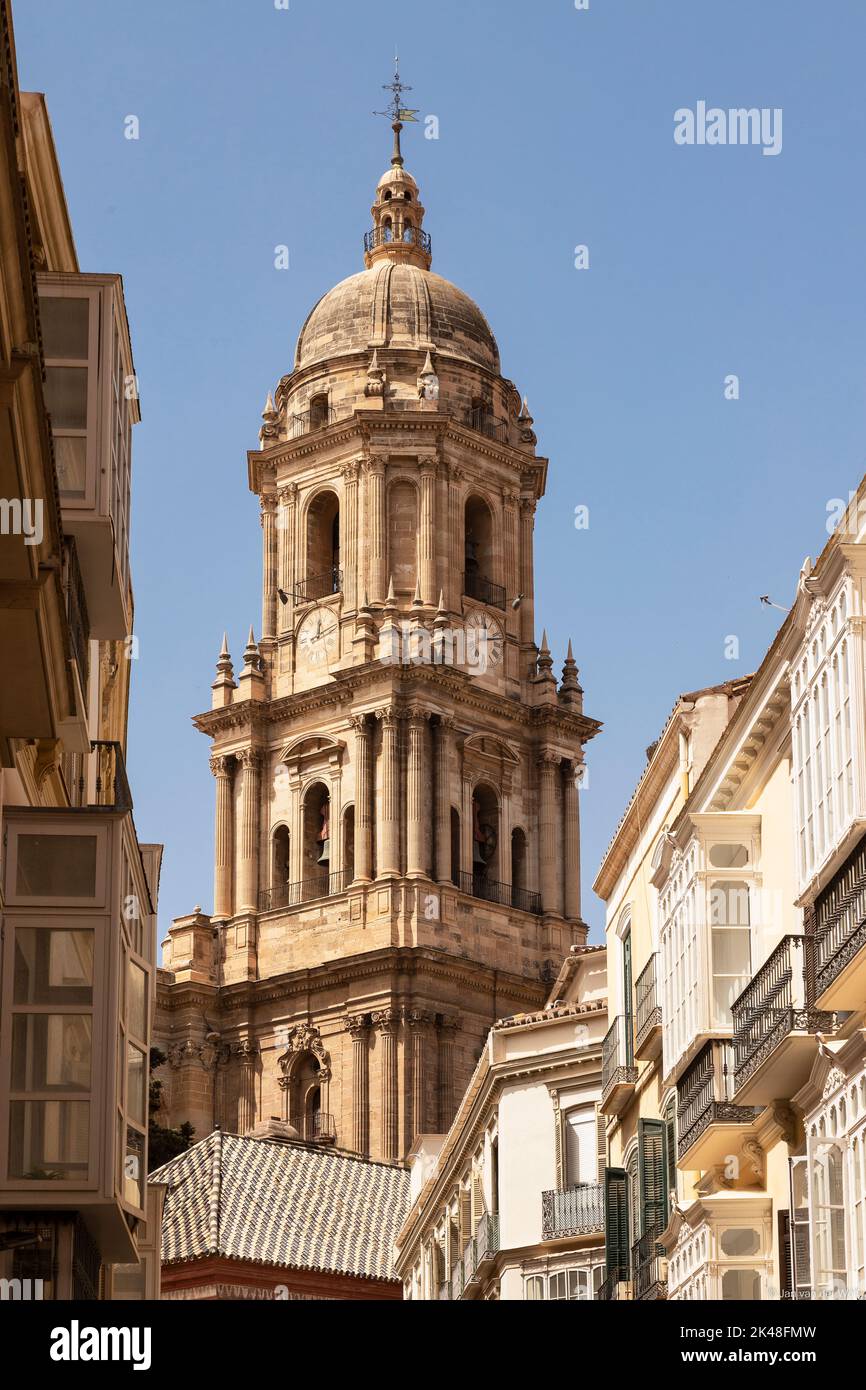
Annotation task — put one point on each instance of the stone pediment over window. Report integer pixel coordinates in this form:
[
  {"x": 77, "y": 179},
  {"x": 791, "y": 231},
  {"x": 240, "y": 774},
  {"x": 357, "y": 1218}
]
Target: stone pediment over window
[
  {"x": 486, "y": 753},
  {"x": 314, "y": 750}
]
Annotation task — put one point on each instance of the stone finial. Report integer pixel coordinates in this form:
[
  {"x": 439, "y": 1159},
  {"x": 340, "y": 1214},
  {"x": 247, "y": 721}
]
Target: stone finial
[
  {"x": 252, "y": 678},
  {"x": 417, "y": 600},
  {"x": 390, "y": 604},
  {"x": 545, "y": 660},
  {"x": 224, "y": 684},
  {"x": 525, "y": 422},
  {"x": 428, "y": 382},
  {"x": 375, "y": 385},
  {"x": 270, "y": 422},
  {"x": 570, "y": 690}
]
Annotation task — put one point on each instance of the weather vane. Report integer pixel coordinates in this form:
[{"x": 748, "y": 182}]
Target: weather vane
[{"x": 396, "y": 112}]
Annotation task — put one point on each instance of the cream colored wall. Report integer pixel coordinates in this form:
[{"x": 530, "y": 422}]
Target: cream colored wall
[{"x": 527, "y": 1160}]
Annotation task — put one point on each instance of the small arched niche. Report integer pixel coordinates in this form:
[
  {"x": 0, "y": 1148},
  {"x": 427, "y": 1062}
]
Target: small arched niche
[
  {"x": 518, "y": 865},
  {"x": 280, "y": 866},
  {"x": 348, "y": 844}
]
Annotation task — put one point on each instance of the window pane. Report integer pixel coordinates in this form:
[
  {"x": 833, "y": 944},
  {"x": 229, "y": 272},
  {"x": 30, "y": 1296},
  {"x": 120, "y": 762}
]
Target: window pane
[
  {"x": 133, "y": 1167},
  {"x": 48, "y": 1139},
  {"x": 581, "y": 1144},
  {"x": 56, "y": 866},
  {"x": 135, "y": 1084},
  {"x": 136, "y": 1000},
  {"x": 741, "y": 1240},
  {"x": 53, "y": 967},
  {"x": 64, "y": 326},
  {"x": 66, "y": 397},
  {"x": 51, "y": 1052},
  {"x": 70, "y": 455}
]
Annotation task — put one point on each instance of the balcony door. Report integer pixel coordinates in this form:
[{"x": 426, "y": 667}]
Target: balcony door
[{"x": 581, "y": 1146}]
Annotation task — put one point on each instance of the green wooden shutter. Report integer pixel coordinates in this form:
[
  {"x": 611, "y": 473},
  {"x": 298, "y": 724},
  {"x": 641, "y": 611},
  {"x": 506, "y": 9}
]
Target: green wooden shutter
[
  {"x": 616, "y": 1219},
  {"x": 785, "y": 1267},
  {"x": 601, "y": 1139},
  {"x": 653, "y": 1175},
  {"x": 670, "y": 1123},
  {"x": 801, "y": 1229}
]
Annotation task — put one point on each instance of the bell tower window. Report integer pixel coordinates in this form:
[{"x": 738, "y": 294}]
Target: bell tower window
[{"x": 323, "y": 548}]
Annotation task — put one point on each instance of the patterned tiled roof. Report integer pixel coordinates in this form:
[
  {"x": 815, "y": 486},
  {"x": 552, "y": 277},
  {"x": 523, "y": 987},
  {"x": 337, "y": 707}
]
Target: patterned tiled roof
[{"x": 277, "y": 1203}]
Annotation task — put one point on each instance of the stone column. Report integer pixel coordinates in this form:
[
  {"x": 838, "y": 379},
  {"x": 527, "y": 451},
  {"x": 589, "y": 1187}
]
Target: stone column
[
  {"x": 386, "y": 1023},
  {"x": 419, "y": 1026},
  {"x": 269, "y": 565},
  {"x": 527, "y": 579},
  {"x": 455, "y": 541},
  {"x": 288, "y": 498},
  {"x": 246, "y": 1052},
  {"x": 222, "y": 769},
  {"x": 358, "y": 1026},
  {"x": 363, "y": 801},
  {"x": 511, "y": 533},
  {"x": 388, "y": 838},
  {"x": 548, "y": 840},
  {"x": 442, "y": 737},
  {"x": 248, "y": 858},
  {"x": 417, "y": 795},
  {"x": 378, "y": 529},
  {"x": 446, "y": 1034},
  {"x": 349, "y": 537},
  {"x": 427, "y": 539},
  {"x": 571, "y": 841}
]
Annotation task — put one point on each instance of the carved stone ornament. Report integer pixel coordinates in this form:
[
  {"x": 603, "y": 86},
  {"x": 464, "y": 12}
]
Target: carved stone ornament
[
  {"x": 835, "y": 1079},
  {"x": 304, "y": 1038}
]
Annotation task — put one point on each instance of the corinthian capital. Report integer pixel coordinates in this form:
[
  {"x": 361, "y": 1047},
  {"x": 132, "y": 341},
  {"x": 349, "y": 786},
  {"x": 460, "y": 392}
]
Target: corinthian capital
[
  {"x": 221, "y": 765},
  {"x": 386, "y": 1020}
]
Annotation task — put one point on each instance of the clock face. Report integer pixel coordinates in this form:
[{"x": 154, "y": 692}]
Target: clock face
[
  {"x": 318, "y": 638},
  {"x": 484, "y": 641}
]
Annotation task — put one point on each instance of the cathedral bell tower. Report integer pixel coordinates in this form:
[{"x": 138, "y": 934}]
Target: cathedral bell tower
[{"x": 396, "y": 766}]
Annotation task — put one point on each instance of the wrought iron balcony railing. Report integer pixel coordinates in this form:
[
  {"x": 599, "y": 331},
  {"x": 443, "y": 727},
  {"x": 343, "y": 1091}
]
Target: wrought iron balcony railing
[
  {"x": 774, "y": 1004},
  {"x": 111, "y": 789},
  {"x": 649, "y": 1264},
  {"x": 572, "y": 1211},
  {"x": 483, "y": 422},
  {"x": 319, "y": 586},
  {"x": 308, "y": 890},
  {"x": 617, "y": 1056},
  {"x": 479, "y": 587},
  {"x": 503, "y": 893},
  {"x": 840, "y": 921},
  {"x": 647, "y": 1006},
  {"x": 412, "y": 236},
  {"x": 316, "y": 418},
  {"x": 704, "y": 1095},
  {"x": 485, "y": 1242},
  {"x": 612, "y": 1288},
  {"x": 323, "y": 1128}
]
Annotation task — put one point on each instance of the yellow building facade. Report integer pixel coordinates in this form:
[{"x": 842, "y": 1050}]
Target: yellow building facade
[{"x": 734, "y": 1076}]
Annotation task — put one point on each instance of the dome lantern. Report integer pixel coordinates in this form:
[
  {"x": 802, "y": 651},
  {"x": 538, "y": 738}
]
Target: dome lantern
[{"x": 398, "y": 235}]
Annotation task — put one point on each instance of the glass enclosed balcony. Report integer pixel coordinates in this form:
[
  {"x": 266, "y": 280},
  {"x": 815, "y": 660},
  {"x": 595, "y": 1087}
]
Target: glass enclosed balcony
[
  {"x": 648, "y": 1014},
  {"x": 92, "y": 398},
  {"x": 840, "y": 931}
]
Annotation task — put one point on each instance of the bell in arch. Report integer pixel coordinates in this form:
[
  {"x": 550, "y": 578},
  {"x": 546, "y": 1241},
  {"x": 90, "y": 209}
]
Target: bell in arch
[{"x": 478, "y": 839}]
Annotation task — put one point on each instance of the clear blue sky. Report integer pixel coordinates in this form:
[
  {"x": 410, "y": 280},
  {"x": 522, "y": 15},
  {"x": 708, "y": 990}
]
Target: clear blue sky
[{"x": 556, "y": 128}]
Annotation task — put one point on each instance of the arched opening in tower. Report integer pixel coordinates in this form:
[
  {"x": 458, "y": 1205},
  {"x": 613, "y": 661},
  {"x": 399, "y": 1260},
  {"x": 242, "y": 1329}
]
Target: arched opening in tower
[
  {"x": 323, "y": 547},
  {"x": 478, "y": 549},
  {"x": 518, "y": 865},
  {"x": 319, "y": 411},
  {"x": 280, "y": 866},
  {"x": 485, "y": 836},
  {"x": 317, "y": 855},
  {"x": 304, "y": 1096},
  {"x": 348, "y": 845},
  {"x": 455, "y": 846}
]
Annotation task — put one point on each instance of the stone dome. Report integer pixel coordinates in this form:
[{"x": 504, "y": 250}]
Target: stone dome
[{"x": 395, "y": 305}]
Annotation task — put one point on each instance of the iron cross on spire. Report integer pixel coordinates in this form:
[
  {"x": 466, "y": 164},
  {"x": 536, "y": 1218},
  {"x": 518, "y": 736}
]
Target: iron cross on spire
[{"x": 396, "y": 112}]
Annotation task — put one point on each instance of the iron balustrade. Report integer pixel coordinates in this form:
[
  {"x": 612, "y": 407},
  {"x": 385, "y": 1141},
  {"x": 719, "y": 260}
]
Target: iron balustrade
[
  {"x": 647, "y": 1261},
  {"x": 609, "y": 1290},
  {"x": 572, "y": 1211},
  {"x": 323, "y": 1127},
  {"x": 306, "y": 891},
  {"x": 76, "y": 613},
  {"x": 317, "y": 418},
  {"x": 319, "y": 586},
  {"x": 478, "y": 886},
  {"x": 483, "y": 422},
  {"x": 617, "y": 1055},
  {"x": 485, "y": 1242},
  {"x": 704, "y": 1094},
  {"x": 840, "y": 920},
  {"x": 479, "y": 587},
  {"x": 774, "y": 1004},
  {"x": 111, "y": 788},
  {"x": 412, "y": 236},
  {"x": 647, "y": 1009}
]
